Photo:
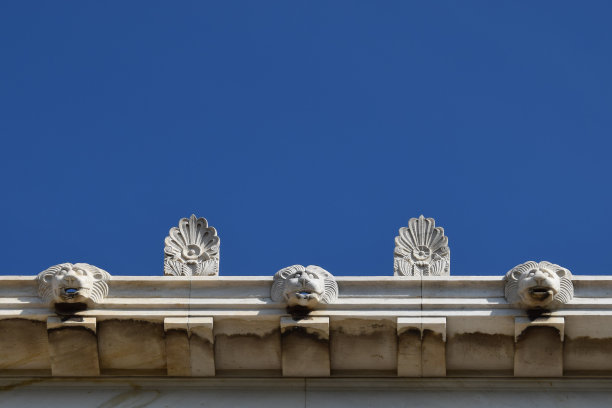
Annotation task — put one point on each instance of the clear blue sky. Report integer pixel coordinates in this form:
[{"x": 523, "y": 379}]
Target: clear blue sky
[{"x": 305, "y": 132}]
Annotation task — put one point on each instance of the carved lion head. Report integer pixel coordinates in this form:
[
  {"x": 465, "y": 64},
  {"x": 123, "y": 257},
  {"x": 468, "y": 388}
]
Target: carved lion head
[
  {"x": 539, "y": 285},
  {"x": 73, "y": 283},
  {"x": 304, "y": 287}
]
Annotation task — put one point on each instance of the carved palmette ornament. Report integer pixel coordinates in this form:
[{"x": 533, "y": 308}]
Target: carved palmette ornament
[
  {"x": 538, "y": 285},
  {"x": 421, "y": 249},
  {"x": 304, "y": 287},
  {"x": 192, "y": 249},
  {"x": 73, "y": 283}
]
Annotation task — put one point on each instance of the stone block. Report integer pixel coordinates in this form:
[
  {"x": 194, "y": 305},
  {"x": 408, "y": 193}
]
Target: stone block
[
  {"x": 421, "y": 347},
  {"x": 247, "y": 346},
  {"x": 364, "y": 345},
  {"x": 539, "y": 347},
  {"x": 409, "y": 347},
  {"x": 433, "y": 353},
  {"x": 24, "y": 346},
  {"x": 201, "y": 346},
  {"x": 177, "y": 346},
  {"x": 73, "y": 346},
  {"x": 129, "y": 346},
  {"x": 305, "y": 347},
  {"x": 189, "y": 346}
]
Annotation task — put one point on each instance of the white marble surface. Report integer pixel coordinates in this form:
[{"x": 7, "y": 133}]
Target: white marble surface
[
  {"x": 229, "y": 326},
  {"x": 271, "y": 393}
]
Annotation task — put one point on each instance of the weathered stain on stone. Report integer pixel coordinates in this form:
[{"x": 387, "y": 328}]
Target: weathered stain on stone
[
  {"x": 305, "y": 352},
  {"x": 536, "y": 313},
  {"x": 73, "y": 329},
  {"x": 432, "y": 335},
  {"x": 200, "y": 341},
  {"x": 479, "y": 352},
  {"x": 361, "y": 344},
  {"x": 433, "y": 357},
  {"x": 538, "y": 332},
  {"x": 538, "y": 352},
  {"x": 305, "y": 333},
  {"x": 202, "y": 354},
  {"x": 24, "y": 345},
  {"x": 248, "y": 351},
  {"x": 298, "y": 312},
  {"x": 177, "y": 352},
  {"x": 409, "y": 352},
  {"x": 73, "y": 351},
  {"x": 410, "y": 332},
  {"x": 69, "y": 309},
  {"x": 586, "y": 354},
  {"x": 131, "y": 345}
]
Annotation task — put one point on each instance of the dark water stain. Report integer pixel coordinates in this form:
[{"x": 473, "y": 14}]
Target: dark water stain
[
  {"x": 543, "y": 334},
  {"x": 480, "y": 351},
  {"x": 587, "y": 355},
  {"x": 71, "y": 330},
  {"x": 410, "y": 331},
  {"x": 536, "y": 313},
  {"x": 67, "y": 310},
  {"x": 248, "y": 351},
  {"x": 299, "y": 332},
  {"x": 23, "y": 342},
  {"x": 375, "y": 341},
  {"x": 430, "y": 335},
  {"x": 131, "y": 344},
  {"x": 298, "y": 312}
]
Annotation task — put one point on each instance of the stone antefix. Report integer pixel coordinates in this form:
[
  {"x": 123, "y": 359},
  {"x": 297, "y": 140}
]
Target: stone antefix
[
  {"x": 543, "y": 285},
  {"x": 421, "y": 249},
  {"x": 73, "y": 286},
  {"x": 192, "y": 249},
  {"x": 303, "y": 289}
]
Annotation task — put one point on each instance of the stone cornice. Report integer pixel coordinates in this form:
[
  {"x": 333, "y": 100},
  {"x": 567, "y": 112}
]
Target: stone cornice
[
  {"x": 229, "y": 326},
  {"x": 153, "y": 296}
]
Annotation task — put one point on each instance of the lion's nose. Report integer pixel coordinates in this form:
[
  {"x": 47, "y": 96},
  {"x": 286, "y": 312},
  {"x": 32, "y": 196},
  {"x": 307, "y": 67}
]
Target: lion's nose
[
  {"x": 70, "y": 278},
  {"x": 539, "y": 277}
]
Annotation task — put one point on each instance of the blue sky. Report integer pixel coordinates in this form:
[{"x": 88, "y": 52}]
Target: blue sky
[{"x": 305, "y": 132}]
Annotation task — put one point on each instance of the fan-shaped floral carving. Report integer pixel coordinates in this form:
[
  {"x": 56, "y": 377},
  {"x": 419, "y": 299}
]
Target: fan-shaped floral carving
[
  {"x": 192, "y": 249},
  {"x": 421, "y": 249}
]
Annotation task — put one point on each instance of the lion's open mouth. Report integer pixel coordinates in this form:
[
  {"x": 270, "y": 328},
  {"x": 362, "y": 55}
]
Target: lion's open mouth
[
  {"x": 304, "y": 294},
  {"x": 540, "y": 293},
  {"x": 70, "y": 292}
]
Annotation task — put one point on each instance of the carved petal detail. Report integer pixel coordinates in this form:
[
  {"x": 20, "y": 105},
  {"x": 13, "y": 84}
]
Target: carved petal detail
[
  {"x": 421, "y": 249},
  {"x": 192, "y": 249}
]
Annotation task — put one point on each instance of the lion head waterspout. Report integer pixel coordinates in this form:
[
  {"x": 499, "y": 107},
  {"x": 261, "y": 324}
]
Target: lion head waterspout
[
  {"x": 73, "y": 287},
  {"x": 543, "y": 285}
]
